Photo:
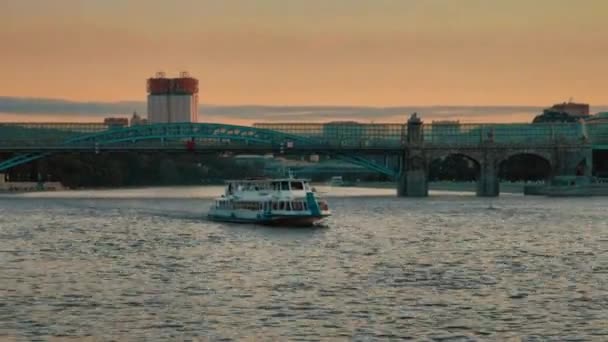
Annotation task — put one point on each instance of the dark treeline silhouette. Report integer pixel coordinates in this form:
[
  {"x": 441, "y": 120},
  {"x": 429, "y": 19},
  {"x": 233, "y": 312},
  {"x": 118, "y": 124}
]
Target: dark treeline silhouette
[
  {"x": 77, "y": 170},
  {"x": 453, "y": 167},
  {"x": 600, "y": 163},
  {"x": 522, "y": 167},
  {"x": 134, "y": 169}
]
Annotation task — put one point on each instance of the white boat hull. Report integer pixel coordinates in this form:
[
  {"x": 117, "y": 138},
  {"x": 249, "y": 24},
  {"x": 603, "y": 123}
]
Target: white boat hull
[{"x": 270, "y": 220}]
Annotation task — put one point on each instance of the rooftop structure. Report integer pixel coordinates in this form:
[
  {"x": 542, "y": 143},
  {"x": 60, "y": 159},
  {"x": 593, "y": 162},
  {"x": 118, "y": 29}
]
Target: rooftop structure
[
  {"x": 138, "y": 120},
  {"x": 564, "y": 112},
  {"x": 116, "y": 122},
  {"x": 571, "y": 108},
  {"x": 172, "y": 99}
]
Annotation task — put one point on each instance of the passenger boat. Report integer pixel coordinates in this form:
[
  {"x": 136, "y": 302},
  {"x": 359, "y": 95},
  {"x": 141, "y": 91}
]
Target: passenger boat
[
  {"x": 285, "y": 201},
  {"x": 339, "y": 181}
]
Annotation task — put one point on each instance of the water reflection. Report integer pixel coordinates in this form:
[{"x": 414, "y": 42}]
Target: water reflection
[{"x": 443, "y": 268}]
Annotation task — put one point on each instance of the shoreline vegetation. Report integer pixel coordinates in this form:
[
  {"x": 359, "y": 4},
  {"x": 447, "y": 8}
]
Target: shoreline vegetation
[{"x": 132, "y": 170}]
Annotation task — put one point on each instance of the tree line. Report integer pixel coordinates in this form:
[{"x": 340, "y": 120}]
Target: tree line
[{"x": 77, "y": 170}]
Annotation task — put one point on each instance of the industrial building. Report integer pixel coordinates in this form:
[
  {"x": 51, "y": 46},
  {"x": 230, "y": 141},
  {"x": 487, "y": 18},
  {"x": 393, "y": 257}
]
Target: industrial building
[
  {"x": 575, "y": 109},
  {"x": 564, "y": 112},
  {"x": 172, "y": 100},
  {"x": 116, "y": 122}
]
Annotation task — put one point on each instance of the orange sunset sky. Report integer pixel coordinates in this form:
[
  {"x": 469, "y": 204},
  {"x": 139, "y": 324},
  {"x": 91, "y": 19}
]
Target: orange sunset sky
[{"x": 310, "y": 52}]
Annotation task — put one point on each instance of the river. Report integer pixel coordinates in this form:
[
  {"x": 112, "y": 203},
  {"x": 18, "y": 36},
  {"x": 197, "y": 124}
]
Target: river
[{"x": 144, "y": 264}]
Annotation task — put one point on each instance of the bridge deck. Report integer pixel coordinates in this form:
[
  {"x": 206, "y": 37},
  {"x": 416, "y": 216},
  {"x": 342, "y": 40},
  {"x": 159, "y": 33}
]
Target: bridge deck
[{"x": 15, "y": 136}]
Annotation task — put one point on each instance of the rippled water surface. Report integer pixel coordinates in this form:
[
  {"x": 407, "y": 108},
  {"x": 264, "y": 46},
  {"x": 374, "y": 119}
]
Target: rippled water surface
[{"x": 145, "y": 265}]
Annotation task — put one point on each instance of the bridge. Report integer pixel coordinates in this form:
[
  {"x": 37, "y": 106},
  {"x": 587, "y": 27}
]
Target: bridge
[{"x": 566, "y": 147}]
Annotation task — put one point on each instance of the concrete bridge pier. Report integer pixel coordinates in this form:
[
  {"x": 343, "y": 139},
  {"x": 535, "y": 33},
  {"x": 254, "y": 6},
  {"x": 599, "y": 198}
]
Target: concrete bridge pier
[
  {"x": 572, "y": 162},
  {"x": 488, "y": 184},
  {"x": 413, "y": 179}
]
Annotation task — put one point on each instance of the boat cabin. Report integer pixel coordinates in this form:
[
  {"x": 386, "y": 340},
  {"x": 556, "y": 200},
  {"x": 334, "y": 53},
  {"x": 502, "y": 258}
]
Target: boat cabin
[
  {"x": 279, "y": 205},
  {"x": 265, "y": 186}
]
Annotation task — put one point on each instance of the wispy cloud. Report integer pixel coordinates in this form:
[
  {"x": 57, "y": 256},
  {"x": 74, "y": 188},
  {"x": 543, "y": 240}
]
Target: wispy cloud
[
  {"x": 49, "y": 108},
  {"x": 17, "y": 105}
]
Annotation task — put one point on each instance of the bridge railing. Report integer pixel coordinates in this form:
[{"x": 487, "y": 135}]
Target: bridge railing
[
  {"x": 442, "y": 134},
  {"x": 44, "y": 134},
  {"x": 334, "y": 135},
  {"x": 504, "y": 134},
  {"x": 344, "y": 134},
  {"x": 598, "y": 133}
]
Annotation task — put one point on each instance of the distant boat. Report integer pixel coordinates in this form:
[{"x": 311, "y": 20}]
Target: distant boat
[
  {"x": 570, "y": 186},
  {"x": 339, "y": 181},
  {"x": 284, "y": 201}
]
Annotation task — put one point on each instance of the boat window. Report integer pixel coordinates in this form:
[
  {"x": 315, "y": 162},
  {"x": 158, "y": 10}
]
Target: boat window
[
  {"x": 297, "y": 206},
  {"x": 297, "y": 186},
  {"x": 275, "y": 206},
  {"x": 305, "y": 206},
  {"x": 285, "y": 186},
  {"x": 281, "y": 205},
  {"x": 288, "y": 206}
]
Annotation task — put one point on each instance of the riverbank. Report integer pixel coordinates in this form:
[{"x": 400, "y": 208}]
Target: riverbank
[{"x": 505, "y": 187}]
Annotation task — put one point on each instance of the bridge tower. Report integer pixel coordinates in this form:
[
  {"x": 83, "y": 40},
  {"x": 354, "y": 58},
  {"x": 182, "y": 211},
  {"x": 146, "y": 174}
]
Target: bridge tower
[{"x": 413, "y": 179}]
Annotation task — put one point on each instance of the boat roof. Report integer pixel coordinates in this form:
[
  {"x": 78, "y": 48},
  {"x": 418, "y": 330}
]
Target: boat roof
[{"x": 266, "y": 180}]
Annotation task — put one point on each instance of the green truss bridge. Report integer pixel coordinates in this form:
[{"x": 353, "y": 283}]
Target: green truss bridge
[{"x": 564, "y": 146}]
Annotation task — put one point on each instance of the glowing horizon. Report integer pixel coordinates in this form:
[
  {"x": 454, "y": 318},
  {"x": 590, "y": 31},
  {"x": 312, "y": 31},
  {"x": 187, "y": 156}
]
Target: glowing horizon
[{"x": 332, "y": 52}]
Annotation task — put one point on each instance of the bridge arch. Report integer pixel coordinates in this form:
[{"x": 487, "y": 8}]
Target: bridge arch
[
  {"x": 546, "y": 155},
  {"x": 208, "y": 134},
  {"x": 459, "y": 165},
  {"x": 525, "y": 165}
]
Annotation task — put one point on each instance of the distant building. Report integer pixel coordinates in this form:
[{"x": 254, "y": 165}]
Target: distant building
[
  {"x": 116, "y": 122},
  {"x": 575, "y": 109},
  {"x": 7, "y": 186},
  {"x": 138, "y": 120},
  {"x": 172, "y": 99},
  {"x": 564, "y": 112}
]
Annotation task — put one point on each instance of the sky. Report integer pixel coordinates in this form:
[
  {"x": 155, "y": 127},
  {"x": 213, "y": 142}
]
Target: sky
[{"x": 355, "y": 53}]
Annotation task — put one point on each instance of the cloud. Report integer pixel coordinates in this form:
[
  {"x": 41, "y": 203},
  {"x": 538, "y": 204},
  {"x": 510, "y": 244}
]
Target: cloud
[
  {"x": 23, "y": 107},
  {"x": 18, "y": 105}
]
